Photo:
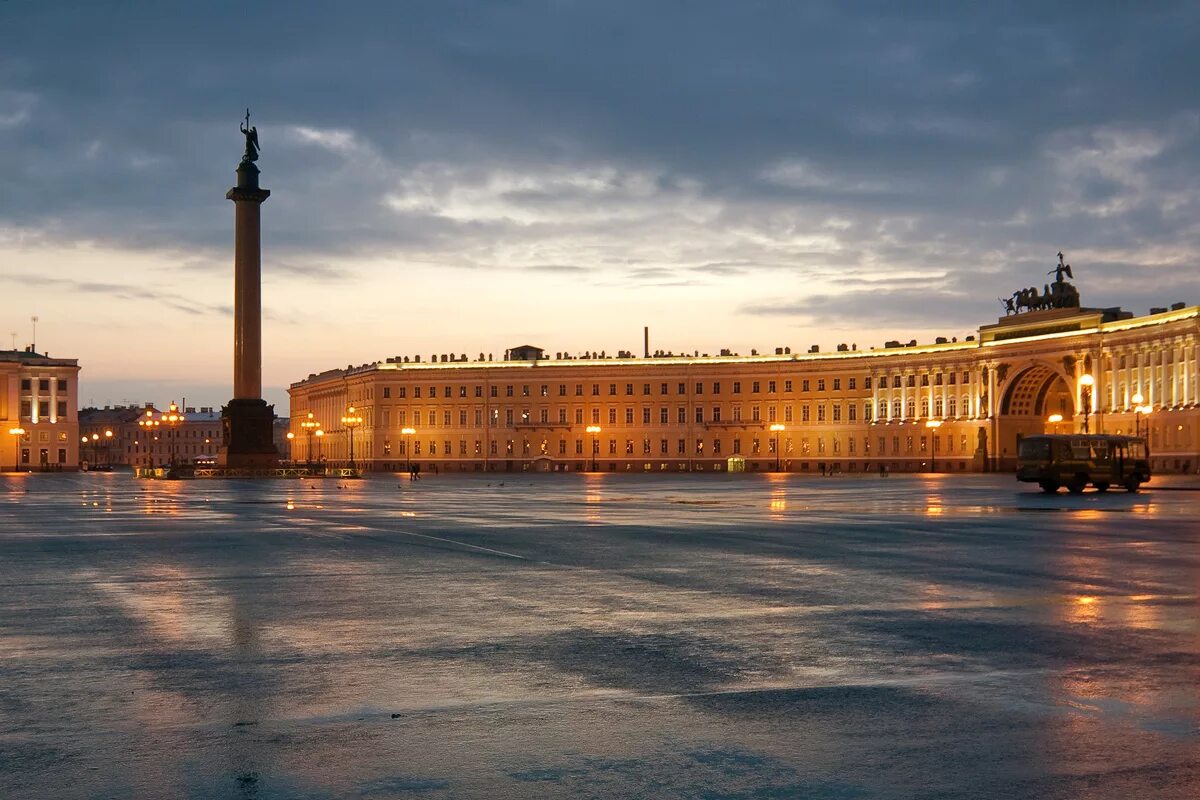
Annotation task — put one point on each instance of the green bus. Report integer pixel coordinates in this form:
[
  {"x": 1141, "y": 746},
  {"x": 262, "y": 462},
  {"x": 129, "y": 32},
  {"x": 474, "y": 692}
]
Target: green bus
[{"x": 1076, "y": 460}]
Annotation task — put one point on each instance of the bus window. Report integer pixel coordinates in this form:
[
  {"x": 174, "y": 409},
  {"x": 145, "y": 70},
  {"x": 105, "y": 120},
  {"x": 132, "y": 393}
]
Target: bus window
[
  {"x": 1034, "y": 449},
  {"x": 1100, "y": 451}
]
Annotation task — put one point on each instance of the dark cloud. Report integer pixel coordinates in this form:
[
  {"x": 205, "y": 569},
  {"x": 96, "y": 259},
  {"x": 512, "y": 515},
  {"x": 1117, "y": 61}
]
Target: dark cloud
[{"x": 864, "y": 145}]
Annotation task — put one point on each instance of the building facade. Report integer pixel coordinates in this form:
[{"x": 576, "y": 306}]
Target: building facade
[
  {"x": 39, "y": 398},
  {"x": 118, "y": 436},
  {"x": 950, "y": 406}
]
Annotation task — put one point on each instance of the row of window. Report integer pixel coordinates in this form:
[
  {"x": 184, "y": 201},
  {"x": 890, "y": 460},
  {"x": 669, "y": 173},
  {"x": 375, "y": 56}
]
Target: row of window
[
  {"x": 835, "y": 412},
  {"x": 43, "y": 409},
  {"x": 900, "y": 445},
  {"x": 681, "y": 387},
  {"x": 43, "y": 384}
]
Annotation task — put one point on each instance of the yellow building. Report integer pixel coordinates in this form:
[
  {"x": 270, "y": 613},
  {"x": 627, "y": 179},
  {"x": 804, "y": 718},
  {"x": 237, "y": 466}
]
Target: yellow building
[
  {"x": 38, "y": 402},
  {"x": 950, "y": 406}
]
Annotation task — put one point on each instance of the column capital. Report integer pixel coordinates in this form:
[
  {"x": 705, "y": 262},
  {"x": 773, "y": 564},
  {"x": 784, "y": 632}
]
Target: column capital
[{"x": 240, "y": 194}]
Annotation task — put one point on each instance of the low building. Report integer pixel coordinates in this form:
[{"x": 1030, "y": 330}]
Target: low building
[
  {"x": 38, "y": 402},
  {"x": 947, "y": 406},
  {"x": 119, "y": 436}
]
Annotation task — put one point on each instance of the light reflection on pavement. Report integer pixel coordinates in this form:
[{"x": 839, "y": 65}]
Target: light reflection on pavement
[{"x": 597, "y": 636}]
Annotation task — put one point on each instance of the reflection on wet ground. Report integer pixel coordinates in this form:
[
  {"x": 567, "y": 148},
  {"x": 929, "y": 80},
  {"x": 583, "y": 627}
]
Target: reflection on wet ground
[{"x": 608, "y": 636}]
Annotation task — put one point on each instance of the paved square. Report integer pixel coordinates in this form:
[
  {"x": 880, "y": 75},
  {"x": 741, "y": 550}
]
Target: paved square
[{"x": 609, "y": 637}]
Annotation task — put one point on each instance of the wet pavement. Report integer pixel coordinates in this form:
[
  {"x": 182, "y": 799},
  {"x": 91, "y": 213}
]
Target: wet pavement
[{"x": 597, "y": 637}]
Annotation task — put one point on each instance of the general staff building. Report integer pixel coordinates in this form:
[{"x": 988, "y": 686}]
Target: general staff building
[{"x": 950, "y": 406}]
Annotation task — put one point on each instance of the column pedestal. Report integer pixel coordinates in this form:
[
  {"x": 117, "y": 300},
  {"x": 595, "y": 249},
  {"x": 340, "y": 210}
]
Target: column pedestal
[{"x": 248, "y": 428}]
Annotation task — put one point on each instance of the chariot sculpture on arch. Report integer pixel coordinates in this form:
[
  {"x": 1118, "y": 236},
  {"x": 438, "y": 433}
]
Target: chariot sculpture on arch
[{"x": 1060, "y": 294}]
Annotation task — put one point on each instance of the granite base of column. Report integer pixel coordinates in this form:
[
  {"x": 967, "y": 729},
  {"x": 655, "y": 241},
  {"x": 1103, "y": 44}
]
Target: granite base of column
[{"x": 248, "y": 427}]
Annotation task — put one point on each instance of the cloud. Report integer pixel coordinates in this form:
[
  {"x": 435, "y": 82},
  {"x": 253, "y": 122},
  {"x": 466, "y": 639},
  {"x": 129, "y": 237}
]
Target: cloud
[{"x": 887, "y": 162}]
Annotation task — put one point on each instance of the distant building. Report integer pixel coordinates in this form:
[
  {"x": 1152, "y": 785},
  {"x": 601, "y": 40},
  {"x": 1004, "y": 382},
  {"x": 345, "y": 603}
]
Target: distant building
[
  {"x": 38, "y": 394},
  {"x": 196, "y": 439},
  {"x": 954, "y": 405}
]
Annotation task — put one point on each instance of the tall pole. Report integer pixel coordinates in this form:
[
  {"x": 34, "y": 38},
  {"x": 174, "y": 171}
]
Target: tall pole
[
  {"x": 17, "y": 433},
  {"x": 1086, "y": 382},
  {"x": 594, "y": 430}
]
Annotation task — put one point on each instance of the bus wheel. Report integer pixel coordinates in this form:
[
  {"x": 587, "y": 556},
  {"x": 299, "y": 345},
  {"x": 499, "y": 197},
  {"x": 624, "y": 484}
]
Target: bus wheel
[
  {"x": 1077, "y": 484},
  {"x": 1132, "y": 483},
  {"x": 1102, "y": 487},
  {"x": 1049, "y": 487}
]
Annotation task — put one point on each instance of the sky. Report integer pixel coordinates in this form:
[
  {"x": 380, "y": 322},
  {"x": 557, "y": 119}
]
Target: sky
[{"x": 465, "y": 177}]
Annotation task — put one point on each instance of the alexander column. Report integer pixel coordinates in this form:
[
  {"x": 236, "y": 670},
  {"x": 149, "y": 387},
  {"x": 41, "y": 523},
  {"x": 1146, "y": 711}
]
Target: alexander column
[{"x": 247, "y": 419}]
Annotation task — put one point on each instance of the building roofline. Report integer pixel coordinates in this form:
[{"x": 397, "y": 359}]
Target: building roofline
[{"x": 1132, "y": 323}]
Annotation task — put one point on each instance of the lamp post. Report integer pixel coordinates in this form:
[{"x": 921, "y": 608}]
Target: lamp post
[
  {"x": 1138, "y": 411},
  {"x": 1086, "y": 382},
  {"x": 407, "y": 433},
  {"x": 16, "y": 433},
  {"x": 933, "y": 425},
  {"x": 311, "y": 427},
  {"x": 594, "y": 430},
  {"x": 291, "y": 437},
  {"x": 351, "y": 421},
  {"x": 172, "y": 418},
  {"x": 319, "y": 434},
  {"x": 1054, "y": 419},
  {"x": 83, "y": 442},
  {"x": 108, "y": 449},
  {"x": 149, "y": 424},
  {"x": 776, "y": 429}
]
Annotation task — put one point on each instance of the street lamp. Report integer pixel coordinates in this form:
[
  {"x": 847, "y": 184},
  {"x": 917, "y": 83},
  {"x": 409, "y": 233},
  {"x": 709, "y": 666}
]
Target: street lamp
[
  {"x": 1138, "y": 411},
  {"x": 775, "y": 429},
  {"x": 933, "y": 425},
  {"x": 1086, "y": 382},
  {"x": 149, "y": 423},
  {"x": 351, "y": 421},
  {"x": 1054, "y": 419},
  {"x": 311, "y": 427},
  {"x": 594, "y": 430},
  {"x": 319, "y": 434},
  {"x": 408, "y": 434},
  {"x": 108, "y": 448},
  {"x": 172, "y": 418},
  {"x": 291, "y": 437},
  {"x": 16, "y": 433}
]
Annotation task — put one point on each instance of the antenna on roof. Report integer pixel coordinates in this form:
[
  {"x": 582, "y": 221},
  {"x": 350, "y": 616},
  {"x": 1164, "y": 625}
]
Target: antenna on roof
[
  {"x": 14, "y": 335},
  {"x": 33, "y": 344}
]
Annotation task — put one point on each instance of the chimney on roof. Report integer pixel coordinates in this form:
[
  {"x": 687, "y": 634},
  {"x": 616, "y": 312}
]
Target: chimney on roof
[{"x": 646, "y": 341}]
